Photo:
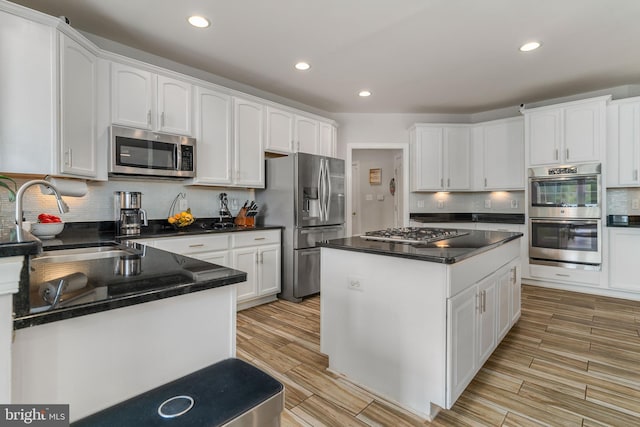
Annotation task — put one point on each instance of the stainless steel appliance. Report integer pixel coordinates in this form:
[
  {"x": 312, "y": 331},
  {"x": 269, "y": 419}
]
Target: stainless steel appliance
[
  {"x": 575, "y": 243},
  {"x": 415, "y": 235},
  {"x": 565, "y": 191},
  {"x": 141, "y": 152},
  {"x": 305, "y": 194},
  {"x": 565, "y": 208},
  {"x": 129, "y": 212}
]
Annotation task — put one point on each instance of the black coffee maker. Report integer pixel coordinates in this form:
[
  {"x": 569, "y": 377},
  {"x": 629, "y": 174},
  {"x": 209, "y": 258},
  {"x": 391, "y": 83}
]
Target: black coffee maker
[{"x": 130, "y": 215}]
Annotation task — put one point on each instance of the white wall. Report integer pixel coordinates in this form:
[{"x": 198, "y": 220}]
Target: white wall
[
  {"x": 98, "y": 204},
  {"x": 375, "y": 214}
]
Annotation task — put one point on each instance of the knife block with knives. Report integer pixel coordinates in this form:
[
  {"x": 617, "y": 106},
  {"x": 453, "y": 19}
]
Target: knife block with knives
[{"x": 247, "y": 215}]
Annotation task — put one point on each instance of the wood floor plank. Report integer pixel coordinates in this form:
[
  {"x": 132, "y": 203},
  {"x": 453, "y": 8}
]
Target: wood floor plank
[{"x": 572, "y": 359}]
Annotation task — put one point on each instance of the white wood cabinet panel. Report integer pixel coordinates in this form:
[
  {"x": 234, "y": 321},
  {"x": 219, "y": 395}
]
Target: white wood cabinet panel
[
  {"x": 487, "y": 312},
  {"x": 462, "y": 342},
  {"x": 306, "y": 134},
  {"x": 214, "y": 154},
  {"x": 544, "y": 130},
  {"x": 426, "y": 161},
  {"x": 279, "y": 131},
  {"x": 623, "y": 259},
  {"x": 582, "y": 132},
  {"x": 503, "y": 155},
  {"x": 78, "y": 109},
  {"x": 623, "y": 143},
  {"x": 269, "y": 269},
  {"x": 132, "y": 97},
  {"x": 248, "y": 143},
  {"x": 173, "y": 113},
  {"x": 328, "y": 140},
  {"x": 457, "y": 158},
  {"x": 246, "y": 259}
]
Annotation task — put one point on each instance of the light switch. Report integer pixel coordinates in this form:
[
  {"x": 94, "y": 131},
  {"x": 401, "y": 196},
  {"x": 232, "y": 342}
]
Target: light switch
[
  {"x": 380, "y": 197},
  {"x": 420, "y": 203},
  {"x": 440, "y": 204},
  {"x": 487, "y": 203},
  {"x": 635, "y": 204},
  {"x": 368, "y": 197}
]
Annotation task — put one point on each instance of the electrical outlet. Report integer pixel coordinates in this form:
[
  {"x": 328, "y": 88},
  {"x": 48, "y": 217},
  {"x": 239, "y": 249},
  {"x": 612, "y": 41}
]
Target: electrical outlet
[
  {"x": 368, "y": 197},
  {"x": 380, "y": 197},
  {"x": 355, "y": 283},
  {"x": 184, "y": 204},
  {"x": 514, "y": 204},
  {"x": 487, "y": 203},
  {"x": 420, "y": 203},
  {"x": 635, "y": 204},
  {"x": 440, "y": 204}
]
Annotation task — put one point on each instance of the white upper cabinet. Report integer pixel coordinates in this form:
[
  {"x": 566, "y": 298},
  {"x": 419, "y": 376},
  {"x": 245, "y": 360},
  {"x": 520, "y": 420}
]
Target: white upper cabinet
[
  {"x": 78, "y": 104},
  {"x": 214, "y": 152},
  {"x": 248, "y": 143},
  {"x": 306, "y": 133},
  {"x": 568, "y": 133},
  {"x": 145, "y": 100},
  {"x": 623, "y": 143},
  {"x": 440, "y": 158},
  {"x": 500, "y": 159},
  {"x": 279, "y": 131},
  {"x": 328, "y": 144}
]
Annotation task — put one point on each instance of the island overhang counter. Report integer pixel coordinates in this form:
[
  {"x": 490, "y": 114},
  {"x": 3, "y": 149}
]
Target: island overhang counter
[{"x": 414, "y": 323}]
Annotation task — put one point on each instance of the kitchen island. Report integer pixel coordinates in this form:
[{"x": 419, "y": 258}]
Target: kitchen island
[{"x": 414, "y": 323}]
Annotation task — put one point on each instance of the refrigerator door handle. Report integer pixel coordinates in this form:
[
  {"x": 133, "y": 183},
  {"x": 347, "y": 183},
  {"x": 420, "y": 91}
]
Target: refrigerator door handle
[
  {"x": 327, "y": 177},
  {"x": 322, "y": 191},
  {"x": 320, "y": 172}
]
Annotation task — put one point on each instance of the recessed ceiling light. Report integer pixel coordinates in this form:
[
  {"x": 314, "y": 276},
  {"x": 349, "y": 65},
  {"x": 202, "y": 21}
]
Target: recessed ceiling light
[
  {"x": 302, "y": 66},
  {"x": 199, "y": 21},
  {"x": 364, "y": 93},
  {"x": 527, "y": 47}
]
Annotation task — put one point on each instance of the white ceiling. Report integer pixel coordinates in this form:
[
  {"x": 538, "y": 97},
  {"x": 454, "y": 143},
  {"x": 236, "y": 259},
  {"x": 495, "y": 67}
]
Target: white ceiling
[{"x": 416, "y": 56}]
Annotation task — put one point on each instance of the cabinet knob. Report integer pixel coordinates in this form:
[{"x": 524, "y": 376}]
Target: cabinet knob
[
  {"x": 149, "y": 117},
  {"x": 567, "y": 154},
  {"x": 162, "y": 119},
  {"x": 556, "y": 155}
]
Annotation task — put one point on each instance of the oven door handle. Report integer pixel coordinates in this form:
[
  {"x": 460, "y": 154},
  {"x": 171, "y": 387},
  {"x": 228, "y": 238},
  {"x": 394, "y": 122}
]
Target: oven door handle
[{"x": 565, "y": 221}]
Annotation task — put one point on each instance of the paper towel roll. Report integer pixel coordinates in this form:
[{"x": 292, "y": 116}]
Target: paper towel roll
[{"x": 66, "y": 187}]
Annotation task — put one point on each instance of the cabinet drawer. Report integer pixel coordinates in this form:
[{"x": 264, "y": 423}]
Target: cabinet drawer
[
  {"x": 254, "y": 238},
  {"x": 192, "y": 245},
  {"x": 559, "y": 274}
]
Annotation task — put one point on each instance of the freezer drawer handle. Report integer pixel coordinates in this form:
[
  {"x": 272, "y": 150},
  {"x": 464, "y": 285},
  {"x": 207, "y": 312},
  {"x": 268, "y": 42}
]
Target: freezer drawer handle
[
  {"x": 199, "y": 245},
  {"x": 259, "y": 238}
]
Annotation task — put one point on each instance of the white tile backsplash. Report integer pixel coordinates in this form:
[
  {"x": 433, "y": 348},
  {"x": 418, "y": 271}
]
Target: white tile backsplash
[
  {"x": 98, "y": 204},
  {"x": 620, "y": 201},
  {"x": 498, "y": 202}
]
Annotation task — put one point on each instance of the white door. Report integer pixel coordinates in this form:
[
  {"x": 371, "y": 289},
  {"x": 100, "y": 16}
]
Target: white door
[
  {"x": 428, "y": 158},
  {"x": 131, "y": 97},
  {"x": 398, "y": 202},
  {"x": 279, "y": 133},
  {"x": 269, "y": 268},
  {"x": 307, "y": 133},
  {"x": 487, "y": 320},
  {"x": 582, "y": 132},
  {"x": 174, "y": 106},
  {"x": 628, "y": 145},
  {"x": 248, "y": 143},
  {"x": 503, "y": 156},
  {"x": 327, "y": 140},
  {"x": 457, "y": 145},
  {"x": 543, "y": 128},
  {"x": 247, "y": 260},
  {"x": 355, "y": 198}
]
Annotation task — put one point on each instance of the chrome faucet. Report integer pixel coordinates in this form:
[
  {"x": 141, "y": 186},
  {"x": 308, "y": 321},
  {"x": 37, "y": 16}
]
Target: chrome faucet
[{"x": 62, "y": 206}]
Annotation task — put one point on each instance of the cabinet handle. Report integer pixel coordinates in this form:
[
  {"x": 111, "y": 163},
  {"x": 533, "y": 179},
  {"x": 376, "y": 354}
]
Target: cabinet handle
[
  {"x": 448, "y": 182},
  {"x": 567, "y": 154},
  {"x": 441, "y": 182},
  {"x": 149, "y": 117},
  {"x": 69, "y": 157},
  {"x": 162, "y": 119},
  {"x": 514, "y": 275},
  {"x": 484, "y": 301},
  {"x": 556, "y": 154},
  {"x": 562, "y": 275},
  {"x": 199, "y": 245},
  {"x": 259, "y": 238},
  {"x": 635, "y": 175},
  {"x": 485, "y": 182},
  {"x": 298, "y": 146}
]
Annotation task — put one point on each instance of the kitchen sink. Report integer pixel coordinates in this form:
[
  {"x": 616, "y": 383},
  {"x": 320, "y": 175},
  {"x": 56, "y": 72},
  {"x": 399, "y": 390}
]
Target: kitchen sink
[{"x": 84, "y": 254}]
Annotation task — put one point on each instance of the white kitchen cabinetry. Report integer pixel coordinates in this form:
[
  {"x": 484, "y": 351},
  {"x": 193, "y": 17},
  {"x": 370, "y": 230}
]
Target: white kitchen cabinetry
[
  {"x": 146, "y": 100},
  {"x": 279, "y": 131},
  {"x": 440, "y": 158},
  {"x": 306, "y": 134},
  {"x": 248, "y": 143},
  {"x": 500, "y": 154},
  {"x": 258, "y": 253},
  {"x": 328, "y": 140},
  {"x": 573, "y": 132},
  {"x": 623, "y": 143},
  {"x": 623, "y": 259},
  {"x": 78, "y": 108},
  {"x": 214, "y": 154}
]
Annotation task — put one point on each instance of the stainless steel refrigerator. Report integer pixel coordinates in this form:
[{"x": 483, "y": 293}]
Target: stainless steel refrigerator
[{"x": 305, "y": 194}]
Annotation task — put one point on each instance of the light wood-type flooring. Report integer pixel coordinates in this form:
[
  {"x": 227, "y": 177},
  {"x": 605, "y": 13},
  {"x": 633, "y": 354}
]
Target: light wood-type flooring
[{"x": 572, "y": 360}]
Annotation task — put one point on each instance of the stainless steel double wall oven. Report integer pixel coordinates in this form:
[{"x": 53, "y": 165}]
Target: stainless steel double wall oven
[{"x": 565, "y": 216}]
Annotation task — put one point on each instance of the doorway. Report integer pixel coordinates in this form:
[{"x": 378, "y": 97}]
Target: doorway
[{"x": 376, "y": 186}]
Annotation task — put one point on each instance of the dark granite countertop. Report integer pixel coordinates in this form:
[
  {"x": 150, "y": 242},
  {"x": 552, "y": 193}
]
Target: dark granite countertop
[
  {"x": 631, "y": 221},
  {"x": 499, "y": 218},
  {"x": 447, "y": 251},
  {"x": 104, "y": 283},
  {"x": 15, "y": 242}
]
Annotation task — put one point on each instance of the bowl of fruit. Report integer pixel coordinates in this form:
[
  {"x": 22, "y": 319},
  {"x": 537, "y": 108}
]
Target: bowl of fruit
[
  {"x": 47, "y": 227},
  {"x": 181, "y": 219}
]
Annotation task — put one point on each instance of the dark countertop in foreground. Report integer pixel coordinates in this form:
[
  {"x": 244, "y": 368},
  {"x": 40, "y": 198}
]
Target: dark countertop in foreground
[
  {"x": 499, "y": 218},
  {"x": 447, "y": 251},
  {"x": 105, "y": 283}
]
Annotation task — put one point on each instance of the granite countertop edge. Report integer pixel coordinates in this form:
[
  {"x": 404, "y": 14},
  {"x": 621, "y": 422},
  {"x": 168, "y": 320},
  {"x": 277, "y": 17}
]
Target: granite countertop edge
[{"x": 334, "y": 244}]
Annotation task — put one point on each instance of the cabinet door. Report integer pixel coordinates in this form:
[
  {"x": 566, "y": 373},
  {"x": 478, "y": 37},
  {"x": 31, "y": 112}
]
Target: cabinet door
[
  {"x": 503, "y": 314},
  {"x": 132, "y": 96},
  {"x": 623, "y": 259},
  {"x": 248, "y": 144},
  {"x": 327, "y": 140},
  {"x": 220, "y": 258},
  {"x": 306, "y": 134},
  {"x": 269, "y": 267},
  {"x": 213, "y": 136},
  {"x": 582, "y": 132},
  {"x": 247, "y": 260},
  {"x": 78, "y": 104},
  {"x": 457, "y": 158},
  {"x": 487, "y": 321},
  {"x": 503, "y": 156},
  {"x": 174, "y": 106},
  {"x": 627, "y": 144},
  {"x": 543, "y": 131},
  {"x": 427, "y": 161},
  {"x": 462, "y": 314},
  {"x": 279, "y": 131}
]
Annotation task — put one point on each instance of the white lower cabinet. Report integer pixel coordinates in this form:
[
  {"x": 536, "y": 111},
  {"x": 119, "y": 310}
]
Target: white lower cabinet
[
  {"x": 257, "y": 253},
  {"x": 478, "y": 318},
  {"x": 623, "y": 259}
]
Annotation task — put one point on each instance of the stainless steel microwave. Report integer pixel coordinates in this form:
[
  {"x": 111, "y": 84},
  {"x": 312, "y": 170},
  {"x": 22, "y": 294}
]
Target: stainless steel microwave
[{"x": 144, "y": 153}]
